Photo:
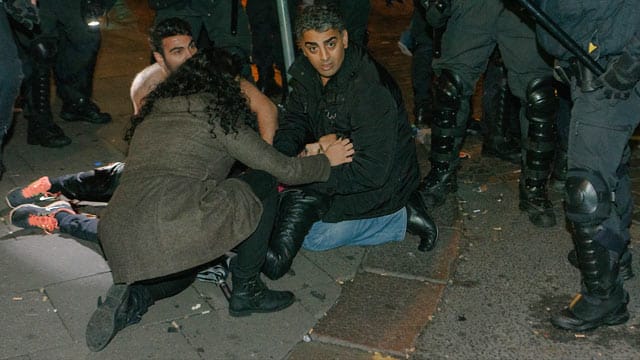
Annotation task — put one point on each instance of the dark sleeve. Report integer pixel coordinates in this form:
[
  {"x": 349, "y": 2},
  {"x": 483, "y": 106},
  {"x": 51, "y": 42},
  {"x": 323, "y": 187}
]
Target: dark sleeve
[
  {"x": 374, "y": 135},
  {"x": 247, "y": 147},
  {"x": 293, "y": 128}
]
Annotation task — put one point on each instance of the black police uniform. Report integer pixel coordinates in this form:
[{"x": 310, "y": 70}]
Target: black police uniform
[
  {"x": 474, "y": 28},
  {"x": 603, "y": 118}
]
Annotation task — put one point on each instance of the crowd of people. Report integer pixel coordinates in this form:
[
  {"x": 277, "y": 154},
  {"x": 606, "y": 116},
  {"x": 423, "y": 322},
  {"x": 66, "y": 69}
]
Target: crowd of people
[{"x": 338, "y": 166}]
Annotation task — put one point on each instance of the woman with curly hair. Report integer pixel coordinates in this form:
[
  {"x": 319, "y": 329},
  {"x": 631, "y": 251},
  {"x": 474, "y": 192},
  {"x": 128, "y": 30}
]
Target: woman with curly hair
[{"x": 175, "y": 208}]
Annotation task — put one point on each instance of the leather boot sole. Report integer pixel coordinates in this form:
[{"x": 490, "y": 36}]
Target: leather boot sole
[{"x": 104, "y": 323}]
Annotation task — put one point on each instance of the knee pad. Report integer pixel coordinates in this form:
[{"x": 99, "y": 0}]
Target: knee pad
[
  {"x": 541, "y": 109},
  {"x": 588, "y": 197}
]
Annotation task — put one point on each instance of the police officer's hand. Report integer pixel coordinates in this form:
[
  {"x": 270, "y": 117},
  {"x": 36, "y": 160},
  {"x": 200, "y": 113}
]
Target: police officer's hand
[{"x": 620, "y": 78}]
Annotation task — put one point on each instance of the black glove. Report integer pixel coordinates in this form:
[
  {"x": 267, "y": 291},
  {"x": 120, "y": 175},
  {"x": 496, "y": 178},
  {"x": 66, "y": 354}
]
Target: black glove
[
  {"x": 23, "y": 12},
  {"x": 620, "y": 78}
]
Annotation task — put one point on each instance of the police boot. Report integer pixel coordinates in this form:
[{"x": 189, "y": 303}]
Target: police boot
[
  {"x": 251, "y": 295},
  {"x": 446, "y": 141},
  {"x": 84, "y": 109},
  {"x": 41, "y": 130},
  {"x": 123, "y": 305},
  {"x": 497, "y": 141},
  {"x": 535, "y": 202},
  {"x": 541, "y": 111},
  {"x": 603, "y": 300},
  {"x": 626, "y": 260},
  {"x": 297, "y": 211},
  {"x": 420, "y": 223}
]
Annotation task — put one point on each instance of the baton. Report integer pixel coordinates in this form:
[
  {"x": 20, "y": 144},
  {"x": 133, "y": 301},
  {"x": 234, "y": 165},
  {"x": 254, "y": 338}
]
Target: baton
[{"x": 563, "y": 38}]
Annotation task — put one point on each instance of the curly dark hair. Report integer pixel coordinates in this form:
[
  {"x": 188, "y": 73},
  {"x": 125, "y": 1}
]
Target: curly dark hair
[{"x": 208, "y": 71}]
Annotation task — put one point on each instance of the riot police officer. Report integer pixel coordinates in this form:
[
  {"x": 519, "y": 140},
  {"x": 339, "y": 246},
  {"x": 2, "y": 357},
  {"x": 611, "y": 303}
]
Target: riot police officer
[
  {"x": 65, "y": 43},
  {"x": 603, "y": 118}
]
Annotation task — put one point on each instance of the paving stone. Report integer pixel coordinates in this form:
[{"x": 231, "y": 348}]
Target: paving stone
[
  {"x": 319, "y": 351},
  {"x": 30, "y": 323},
  {"x": 259, "y": 336},
  {"x": 152, "y": 341},
  {"x": 380, "y": 312},
  {"x": 341, "y": 263},
  {"x": 38, "y": 261},
  {"x": 404, "y": 259}
]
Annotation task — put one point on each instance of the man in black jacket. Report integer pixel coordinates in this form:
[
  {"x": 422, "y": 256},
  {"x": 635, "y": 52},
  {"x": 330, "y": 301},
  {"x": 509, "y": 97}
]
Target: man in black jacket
[{"x": 339, "y": 91}]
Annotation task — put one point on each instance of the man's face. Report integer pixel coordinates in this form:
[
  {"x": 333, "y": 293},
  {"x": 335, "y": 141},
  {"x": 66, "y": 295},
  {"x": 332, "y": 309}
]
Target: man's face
[
  {"x": 177, "y": 49},
  {"x": 325, "y": 51}
]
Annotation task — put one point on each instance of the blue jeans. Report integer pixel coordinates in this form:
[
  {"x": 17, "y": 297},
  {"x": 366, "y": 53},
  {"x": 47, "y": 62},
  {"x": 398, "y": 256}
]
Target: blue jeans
[{"x": 364, "y": 232}]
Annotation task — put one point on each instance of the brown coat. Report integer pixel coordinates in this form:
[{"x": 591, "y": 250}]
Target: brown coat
[{"x": 174, "y": 208}]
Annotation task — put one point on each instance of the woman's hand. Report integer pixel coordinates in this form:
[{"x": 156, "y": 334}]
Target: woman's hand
[{"x": 340, "y": 152}]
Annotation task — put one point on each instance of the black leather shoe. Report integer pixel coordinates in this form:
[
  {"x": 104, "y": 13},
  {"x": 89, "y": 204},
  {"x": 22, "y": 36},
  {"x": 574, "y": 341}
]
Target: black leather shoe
[
  {"x": 420, "y": 223},
  {"x": 252, "y": 296},
  {"x": 84, "y": 110},
  {"x": 124, "y": 305},
  {"x": 47, "y": 135},
  {"x": 584, "y": 315},
  {"x": 535, "y": 202}
]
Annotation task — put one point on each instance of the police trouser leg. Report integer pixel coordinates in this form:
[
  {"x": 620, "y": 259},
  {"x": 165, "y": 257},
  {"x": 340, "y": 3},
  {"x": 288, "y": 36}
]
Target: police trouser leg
[
  {"x": 499, "y": 111},
  {"x": 603, "y": 300},
  {"x": 446, "y": 140},
  {"x": 41, "y": 130},
  {"x": 541, "y": 111}
]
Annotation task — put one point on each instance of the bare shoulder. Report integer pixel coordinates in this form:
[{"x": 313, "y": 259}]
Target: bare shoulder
[{"x": 144, "y": 82}]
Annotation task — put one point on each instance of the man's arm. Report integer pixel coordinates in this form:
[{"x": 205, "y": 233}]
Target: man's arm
[
  {"x": 293, "y": 132},
  {"x": 265, "y": 110}
]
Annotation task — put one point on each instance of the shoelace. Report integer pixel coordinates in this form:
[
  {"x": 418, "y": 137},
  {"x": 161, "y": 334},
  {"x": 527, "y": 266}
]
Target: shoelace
[
  {"x": 40, "y": 186},
  {"x": 48, "y": 223}
]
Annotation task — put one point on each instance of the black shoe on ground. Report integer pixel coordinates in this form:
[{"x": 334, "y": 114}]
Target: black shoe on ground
[
  {"x": 84, "y": 110},
  {"x": 47, "y": 135},
  {"x": 439, "y": 182},
  {"x": 585, "y": 314},
  {"x": 124, "y": 305},
  {"x": 252, "y": 296},
  {"x": 534, "y": 201}
]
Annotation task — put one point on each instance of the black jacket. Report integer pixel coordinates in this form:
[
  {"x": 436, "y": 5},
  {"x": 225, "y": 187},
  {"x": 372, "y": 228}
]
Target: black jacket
[
  {"x": 601, "y": 28},
  {"x": 363, "y": 103}
]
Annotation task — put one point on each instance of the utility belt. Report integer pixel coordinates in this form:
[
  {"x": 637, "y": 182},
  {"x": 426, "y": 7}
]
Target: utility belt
[{"x": 574, "y": 69}]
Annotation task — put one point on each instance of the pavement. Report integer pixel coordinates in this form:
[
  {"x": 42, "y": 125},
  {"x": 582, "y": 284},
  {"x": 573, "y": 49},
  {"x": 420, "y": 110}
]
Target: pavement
[{"x": 485, "y": 292}]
